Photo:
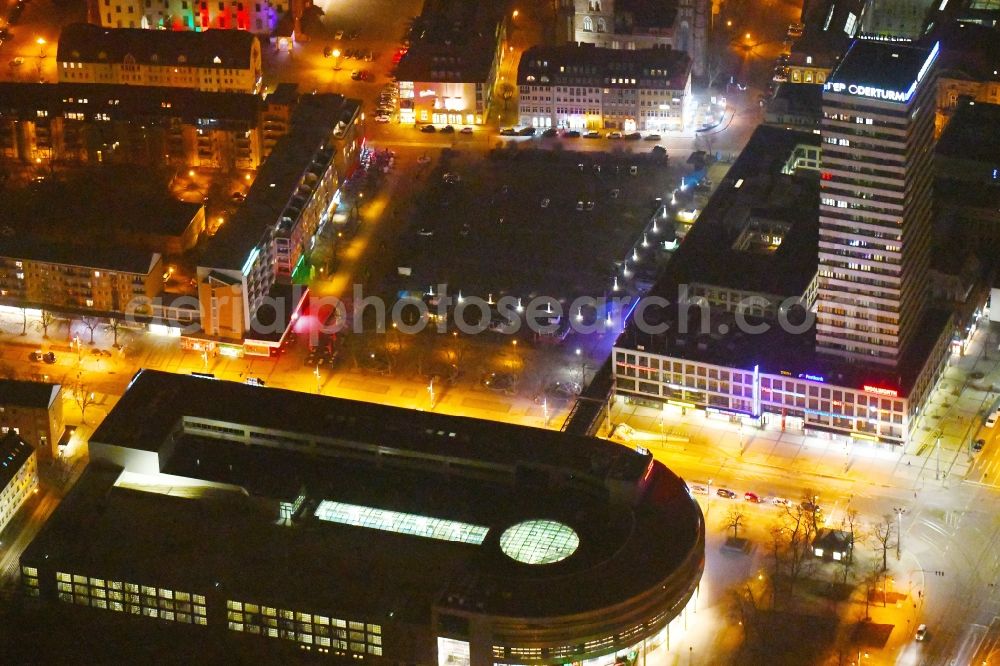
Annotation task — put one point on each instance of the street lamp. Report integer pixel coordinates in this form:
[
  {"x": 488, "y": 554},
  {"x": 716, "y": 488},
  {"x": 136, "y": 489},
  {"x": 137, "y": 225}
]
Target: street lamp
[
  {"x": 515, "y": 14},
  {"x": 336, "y": 60},
  {"x": 41, "y": 46},
  {"x": 899, "y": 524}
]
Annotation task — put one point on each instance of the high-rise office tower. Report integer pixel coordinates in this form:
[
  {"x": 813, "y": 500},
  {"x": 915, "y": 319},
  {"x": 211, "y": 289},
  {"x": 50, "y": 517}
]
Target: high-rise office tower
[{"x": 875, "y": 200}]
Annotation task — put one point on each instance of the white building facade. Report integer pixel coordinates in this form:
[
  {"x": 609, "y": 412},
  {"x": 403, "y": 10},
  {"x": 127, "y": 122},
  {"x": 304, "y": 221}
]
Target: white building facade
[{"x": 585, "y": 88}]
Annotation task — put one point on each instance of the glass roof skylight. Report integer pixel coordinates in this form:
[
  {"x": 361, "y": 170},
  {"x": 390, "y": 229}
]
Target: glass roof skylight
[
  {"x": 539, "y": 541},
  {"x": 401, "y": 523}
]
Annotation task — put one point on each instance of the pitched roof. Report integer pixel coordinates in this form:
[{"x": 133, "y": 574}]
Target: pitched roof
[
  {"x": 83, "y": 42},
  {"x": 586, "y": 64}
]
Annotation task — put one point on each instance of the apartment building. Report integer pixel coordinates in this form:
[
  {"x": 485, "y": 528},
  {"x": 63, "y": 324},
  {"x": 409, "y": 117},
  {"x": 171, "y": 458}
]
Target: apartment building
[
  {"x": 18, "y": 475},
  {"x": 109, "y": 280},
  {"x": 581, "y": 86},
  {"x": 34, "y": 412},
  {"x": 257, "y": 252},
  {"x": 257, "y": 16},
  {"x": 210, "y": 61},
  {"x": 91, "y": 124}
]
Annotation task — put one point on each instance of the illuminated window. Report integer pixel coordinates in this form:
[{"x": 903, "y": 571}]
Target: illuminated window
[
  {"x": 539, "y": 542},
  {"x": 401, "y": 523}
]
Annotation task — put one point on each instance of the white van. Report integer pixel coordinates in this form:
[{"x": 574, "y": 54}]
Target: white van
[{"x": 992, "y": 419}]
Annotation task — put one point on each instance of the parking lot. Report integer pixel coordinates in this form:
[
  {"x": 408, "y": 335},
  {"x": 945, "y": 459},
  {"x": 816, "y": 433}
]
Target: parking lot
[{"x": 525, "y": 222}]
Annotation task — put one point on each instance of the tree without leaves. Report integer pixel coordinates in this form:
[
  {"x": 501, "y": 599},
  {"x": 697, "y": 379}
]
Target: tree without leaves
[
  {"x": 44, "y": 322},
  {"x": 871, "y": 583},
  {"x": 114, "y": 325},
  {"x": 851, "y": 525},
  {"x": 735, "y": 520},
  {"x": 881, "y": 538},
  {"x": 748, "y": 611},
  {"x": 791, "y": 545},
  {"x": 84, "y": 398},
  {"x": 706, "y": 141},
  {"x": 713, "y": 68},
  {"x": 91, "y": 324}
]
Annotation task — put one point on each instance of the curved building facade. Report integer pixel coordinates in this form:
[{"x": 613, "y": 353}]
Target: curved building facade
[{"x": 298, "y": 522}]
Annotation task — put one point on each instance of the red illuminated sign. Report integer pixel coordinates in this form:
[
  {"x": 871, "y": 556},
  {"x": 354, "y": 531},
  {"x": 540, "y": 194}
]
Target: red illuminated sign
[{"x": 880, "y": 390}]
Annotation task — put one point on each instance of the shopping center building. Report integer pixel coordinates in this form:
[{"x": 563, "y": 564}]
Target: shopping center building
[
  {"x": 290, "y": 522},
  {"x": 798, "y": 298}
]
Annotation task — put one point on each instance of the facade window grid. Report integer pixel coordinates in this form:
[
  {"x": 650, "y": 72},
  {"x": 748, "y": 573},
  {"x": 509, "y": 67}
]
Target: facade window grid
[
  {"x": 777, "y": 396},
  {"x": 305, "y": 628},
  {"x": 165, "y": 604}
]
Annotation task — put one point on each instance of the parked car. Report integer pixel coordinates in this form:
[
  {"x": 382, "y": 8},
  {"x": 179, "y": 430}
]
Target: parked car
[
  {"x": 49, "y": 357},
  {"x": 339, "y": 34},
  {"x": 614, "y": 135},
  {"x": 652, "y": 137},
  {"x": 549, "y": 133},
  {"x": 698, "y": 489},
  {"x": 780, "y": 501},
  {"x": 751, "y": 497},
  {"x": 447, "y": 129},
  {"x": 725, "y": 492},
  {"x": 428, "y": 129},
  {"x": 571, "y": 134},
  {"x": 382, "y": 118},
  {"x": 35, "y": 356},
  {"x": 978, "y": 445},
  {"x": 592, "y": 135},
  {"x": 508, "y": 131},
  {"x": 466, "y": 130},
  {"x": 991, "y": 420},
  {"x": 502, "y": 382},
  {"x": 545, "y": 202},
  {"x": 921, "y": 632},
  {"x": 527, "y": 131},
  {"x": 811, "y": 506},
  {"x": 634, "y": 136}
]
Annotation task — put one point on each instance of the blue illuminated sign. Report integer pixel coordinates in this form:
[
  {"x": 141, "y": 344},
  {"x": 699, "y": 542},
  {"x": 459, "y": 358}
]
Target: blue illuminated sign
[
  {"x": 881, "y": 93},
  {"x": 812, "y": 378}
]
